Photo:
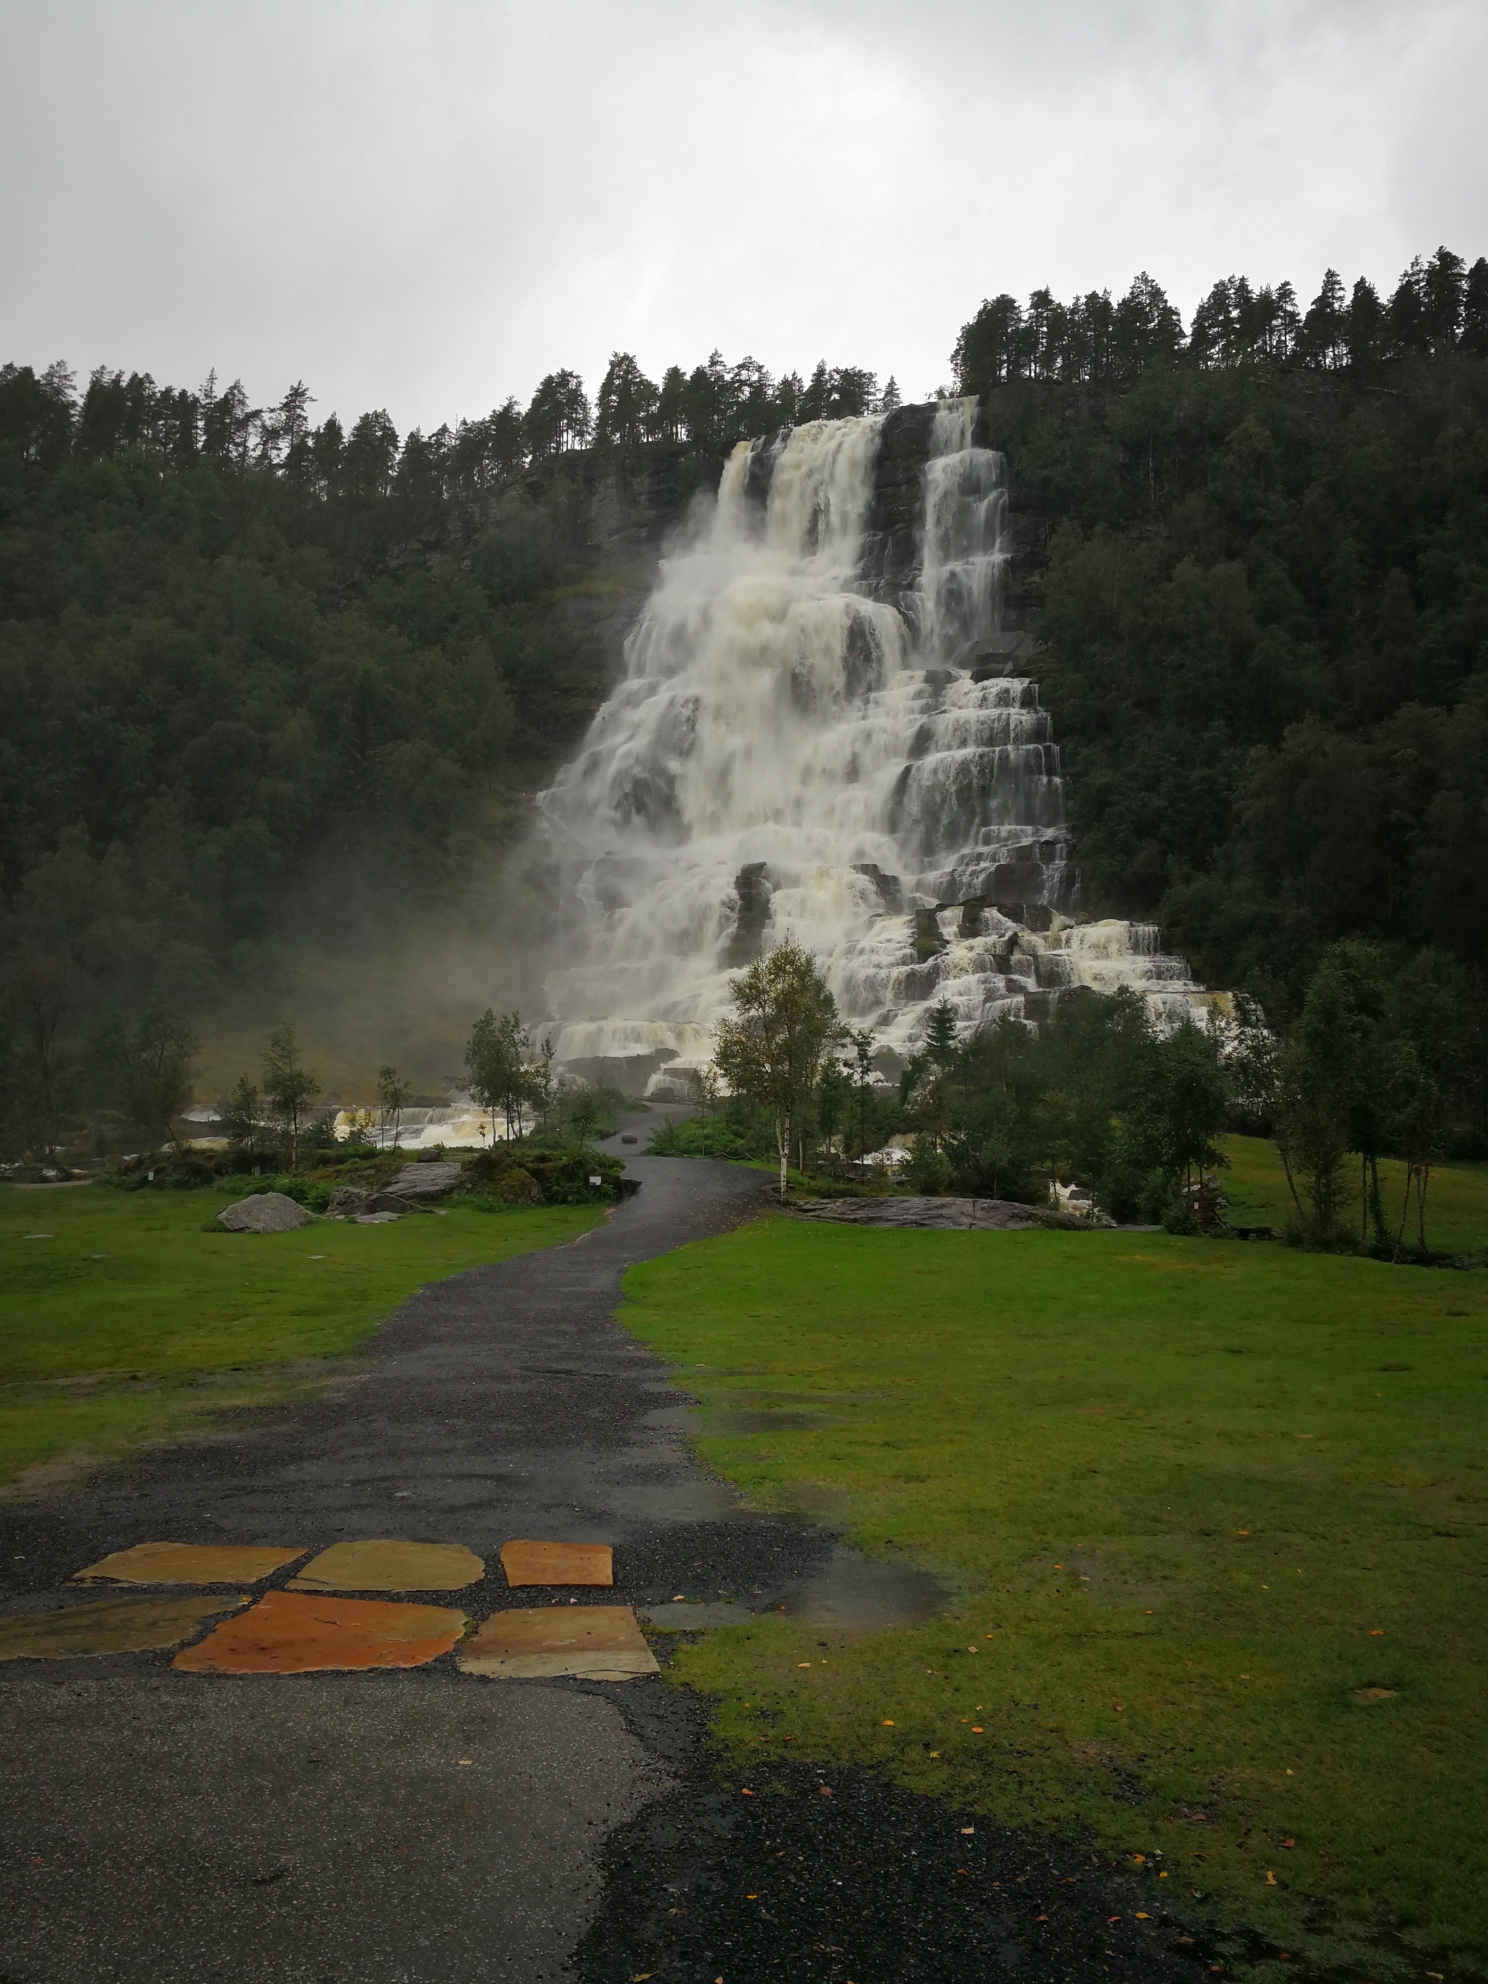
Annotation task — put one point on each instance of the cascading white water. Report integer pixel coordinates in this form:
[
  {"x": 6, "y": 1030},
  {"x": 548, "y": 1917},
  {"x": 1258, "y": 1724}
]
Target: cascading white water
[{"x": 790, "y": 754}]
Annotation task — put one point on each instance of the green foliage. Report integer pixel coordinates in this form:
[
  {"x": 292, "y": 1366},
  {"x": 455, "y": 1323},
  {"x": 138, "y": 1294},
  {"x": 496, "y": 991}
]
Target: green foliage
[
  {"x": 772, "y": 1048},
  {"x": 1185, "y": 1500},
  {"x": 497, "y": 1068},
  {"x": 394, "y": 1092},
  {"x": 699, "y": 1136},
  {"x": 545, "y": 1172},
  {"x": 290, "y": 1089},
  {"x": 1266, "y": 646}
]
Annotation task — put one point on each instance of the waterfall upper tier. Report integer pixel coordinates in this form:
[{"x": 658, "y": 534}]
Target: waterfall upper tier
[{"x": 821, "y": 733}]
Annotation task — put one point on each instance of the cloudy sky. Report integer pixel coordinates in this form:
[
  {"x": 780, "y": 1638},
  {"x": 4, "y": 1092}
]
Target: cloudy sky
[{"x": 427, "y": 204}]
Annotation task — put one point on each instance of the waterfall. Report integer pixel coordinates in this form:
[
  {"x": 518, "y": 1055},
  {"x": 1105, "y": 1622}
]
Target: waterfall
[{"x": 819, "y": 735}]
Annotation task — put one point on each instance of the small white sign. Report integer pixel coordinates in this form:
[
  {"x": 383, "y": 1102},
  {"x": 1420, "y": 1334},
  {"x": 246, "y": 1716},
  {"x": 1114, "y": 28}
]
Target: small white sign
[{"x": 596, "y": 1181}]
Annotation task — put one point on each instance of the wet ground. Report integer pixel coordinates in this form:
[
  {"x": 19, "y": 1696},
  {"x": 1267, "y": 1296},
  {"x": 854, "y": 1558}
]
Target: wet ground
[{"x": 434, "y": 1827}]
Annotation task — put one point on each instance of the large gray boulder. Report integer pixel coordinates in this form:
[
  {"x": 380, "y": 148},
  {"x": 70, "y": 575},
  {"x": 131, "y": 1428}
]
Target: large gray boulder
[
  {"x": 415, "y": 1185},
  {"x": 264, "y": 1212}
]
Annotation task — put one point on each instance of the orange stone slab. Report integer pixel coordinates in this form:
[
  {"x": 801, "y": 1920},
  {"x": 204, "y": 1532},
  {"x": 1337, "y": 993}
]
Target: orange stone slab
[
  {"x": 113, "y": 1625},
  {"x": 289, "y": 1634},
  {"x": 388, "y": 1566},
  {"x": 528, "y": 1562},
  {"x": 189, "y": 1563},
  {"x": 539, "y": 1643}
]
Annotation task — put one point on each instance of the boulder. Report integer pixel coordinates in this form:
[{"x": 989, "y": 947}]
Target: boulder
[
  {"x": 347, "y": 1201},
  {"x": 519, "y": 1188},
  {"x": 376, "y": 1218},
  {"x": 416, "y": 1185},
  {"x": 264, "y": 1212}
]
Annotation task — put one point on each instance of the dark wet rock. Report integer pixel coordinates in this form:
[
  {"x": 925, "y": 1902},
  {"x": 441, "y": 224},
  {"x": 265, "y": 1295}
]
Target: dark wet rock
[
  {"x": 1001, "y": 1214},
  {"x": 416, "y": 1185},
  {"x": 973, "y": 917},
  {"x": 928, "y": 941},
  {"x": 890, "y": 888},
  {"x": 752, "y": 893},
  {"x": 347, "y": 1201},
  {"x": 264, "y": 1212}
]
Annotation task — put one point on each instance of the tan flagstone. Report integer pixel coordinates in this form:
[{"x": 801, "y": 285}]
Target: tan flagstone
[
  {"x": 541, "y": 1642},
  {"x": 383, "y": 1565},
  {"x": 112, "y": 1625},
  {"x": 529, "y": 1561},
  {"x": 189, "y": 1563},
  {"x": 286, "y": 1633}
]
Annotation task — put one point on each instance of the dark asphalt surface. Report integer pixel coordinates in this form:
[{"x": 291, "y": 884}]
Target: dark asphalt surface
[{"x": 432, "y": 1828}]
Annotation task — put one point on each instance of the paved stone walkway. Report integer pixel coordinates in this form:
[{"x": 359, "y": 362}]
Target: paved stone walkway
[
  {"x": 424, "y": 1825},
  {"x": 440, "y": 1825}
]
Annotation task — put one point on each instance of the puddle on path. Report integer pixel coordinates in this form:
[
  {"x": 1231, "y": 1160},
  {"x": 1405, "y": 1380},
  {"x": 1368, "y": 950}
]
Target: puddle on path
[
  {"x": 852, "y": 1593},
  {"x": 861, "y": 1594}
]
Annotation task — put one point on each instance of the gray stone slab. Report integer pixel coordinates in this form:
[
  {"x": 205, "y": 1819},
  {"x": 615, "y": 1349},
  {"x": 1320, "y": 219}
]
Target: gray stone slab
[{"x": 314, "y": 1832}]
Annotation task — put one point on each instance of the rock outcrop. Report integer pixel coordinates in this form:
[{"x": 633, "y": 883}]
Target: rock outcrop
[
  {"x": 263, "y": 1212},
  {"x": 416, "y": 1185}
]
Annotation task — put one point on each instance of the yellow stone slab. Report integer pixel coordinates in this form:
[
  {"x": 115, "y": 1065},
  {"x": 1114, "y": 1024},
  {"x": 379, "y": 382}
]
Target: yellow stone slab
[
  {"x": 287, "y": 1634},
  {"x": 541, "y": 1643},
  {"x": 381, "y": 1565},
  {"x": 528, "y": 1560},
  {"x": 113, "y": 1625},
  {"x": 189, "y": 1563}
]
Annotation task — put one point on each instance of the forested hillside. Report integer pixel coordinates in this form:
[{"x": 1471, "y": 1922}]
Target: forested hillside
[
  {"x": 1258, "y": 554},
  {"x": 269, "y": 685},
  {"x": 266, "y": 683}
]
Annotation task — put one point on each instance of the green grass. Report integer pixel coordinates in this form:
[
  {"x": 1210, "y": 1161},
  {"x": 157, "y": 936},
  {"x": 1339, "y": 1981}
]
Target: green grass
[
  {"x": 128, "y": 1321},
  {"x": 1189, "y": 1497},
  {"x": 1456, "y": 1201}
]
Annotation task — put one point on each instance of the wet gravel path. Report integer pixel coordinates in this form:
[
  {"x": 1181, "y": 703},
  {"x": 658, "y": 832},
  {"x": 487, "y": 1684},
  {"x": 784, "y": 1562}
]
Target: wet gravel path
[{"x": 429, "y": 1827}]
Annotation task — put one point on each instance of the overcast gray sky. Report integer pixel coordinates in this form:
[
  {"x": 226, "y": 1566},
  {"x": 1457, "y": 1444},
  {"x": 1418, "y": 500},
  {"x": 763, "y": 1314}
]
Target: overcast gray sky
[{"x": 427, "y": 204}]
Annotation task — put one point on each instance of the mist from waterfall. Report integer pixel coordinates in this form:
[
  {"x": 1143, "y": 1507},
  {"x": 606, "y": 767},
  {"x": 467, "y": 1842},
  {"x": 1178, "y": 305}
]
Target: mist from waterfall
[{"x": 805, "y": 745}]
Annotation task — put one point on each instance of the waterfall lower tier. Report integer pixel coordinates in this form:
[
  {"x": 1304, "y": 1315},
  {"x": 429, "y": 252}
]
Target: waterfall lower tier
[{"x": 819, "y": 736}]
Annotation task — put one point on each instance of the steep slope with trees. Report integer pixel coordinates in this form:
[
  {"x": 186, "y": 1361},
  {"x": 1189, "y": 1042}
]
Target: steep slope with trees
[{"x": 1258, "y": 554}]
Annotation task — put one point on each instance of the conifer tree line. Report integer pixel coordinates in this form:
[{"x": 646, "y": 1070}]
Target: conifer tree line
[
  {"x": 1438, "y": 306},
  {"x": 707, "y": 410}
]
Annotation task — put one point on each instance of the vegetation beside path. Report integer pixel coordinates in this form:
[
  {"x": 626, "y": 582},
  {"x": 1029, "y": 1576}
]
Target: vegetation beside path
[
  {"x": 128, "y": 1320},
  {"x": 1214, "y": 1519}
]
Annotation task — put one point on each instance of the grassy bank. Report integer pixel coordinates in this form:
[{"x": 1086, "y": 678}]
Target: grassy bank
[
  {"x": 1456, "y": 1202},
  {"x": 1214, "y": 1517},
  {"x": 125, "y": 1321}
]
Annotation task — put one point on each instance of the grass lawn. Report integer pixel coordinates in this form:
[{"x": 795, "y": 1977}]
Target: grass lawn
[
  {"x": 1456, "y": 1200},
  {"x": 125, "y": 1320},
  {"x": 1198, "y": 1503}
]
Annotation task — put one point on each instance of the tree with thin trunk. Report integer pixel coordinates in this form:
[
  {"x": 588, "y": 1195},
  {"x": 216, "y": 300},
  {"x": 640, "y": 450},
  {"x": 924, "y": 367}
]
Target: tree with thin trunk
[
  {"x": 771, "y": 1047},
  {"x": 496, "y": 1057},
  {"x": 158, "y": 1071},
  {"x": 290, "y": 1089},
  {"x": 703, "y": 1081},
  {"x": 393, "y": 1093}
]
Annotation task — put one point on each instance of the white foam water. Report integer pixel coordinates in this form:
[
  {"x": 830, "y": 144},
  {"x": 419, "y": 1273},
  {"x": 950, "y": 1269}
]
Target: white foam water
[{"x": 796, "y": 750}]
